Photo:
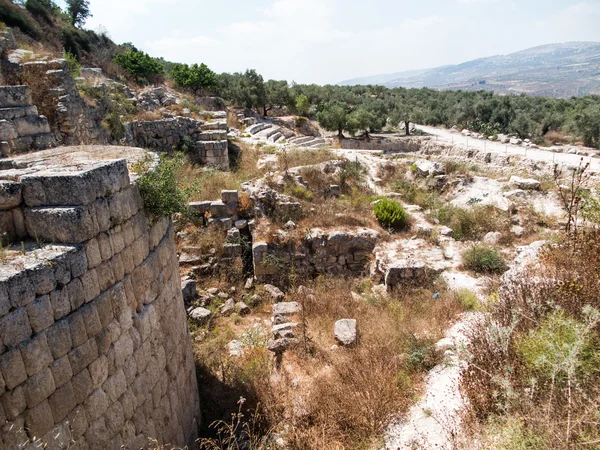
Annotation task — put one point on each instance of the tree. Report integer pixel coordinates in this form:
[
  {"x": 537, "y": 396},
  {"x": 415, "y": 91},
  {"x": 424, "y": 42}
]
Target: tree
[
  {"x": 277, "y": 93},
  {"x": 334, "y": 117},
  {"x": 78, "y": 11},
  {"x": 403, "y": 113},
  {"x": 587, "y": 123},
  {"x": 139, "y": 65},
  {"x": 197, "y": 77},
  {"x": 302, "y": 105},
  {"x": 361, "y": 119}
]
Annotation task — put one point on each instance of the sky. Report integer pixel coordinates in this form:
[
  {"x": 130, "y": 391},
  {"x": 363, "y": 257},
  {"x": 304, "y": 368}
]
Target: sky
[{"x": 327, "y": 41}]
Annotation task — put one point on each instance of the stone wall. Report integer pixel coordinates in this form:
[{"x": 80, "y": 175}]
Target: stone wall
[
  {"x": 94, "y": 346},
  {"x": 318, "y": 252},
  {"x": 208, "y": 138},
  {"x": 386, "y": 144}
]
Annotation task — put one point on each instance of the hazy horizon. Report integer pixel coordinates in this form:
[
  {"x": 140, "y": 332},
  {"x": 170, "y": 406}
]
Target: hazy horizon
[{"x": 327, "y": 41}]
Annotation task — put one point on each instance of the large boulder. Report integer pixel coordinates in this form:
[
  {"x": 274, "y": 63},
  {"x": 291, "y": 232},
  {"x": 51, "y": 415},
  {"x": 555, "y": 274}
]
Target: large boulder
[
  {"x": 200, "y": 315},
  {"x": 426, "y": 168},
  {"x": 189, "y": 290},
  {"x": 345, "y": 332},
  {"x": 525, "y": 183}
]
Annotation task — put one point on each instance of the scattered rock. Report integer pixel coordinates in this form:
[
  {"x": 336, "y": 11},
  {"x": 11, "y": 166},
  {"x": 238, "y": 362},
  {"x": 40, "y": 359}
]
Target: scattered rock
[
  {"x": 356, "y": 297},
  {"x": 249, "y": 283},
  {"x": 525, "y": 183},
  {"x": 517, "y": 230},
  {"x": 278, "y": 346},
  {"x": 286, "y": 308},
  {"x": 228, "y": 307},
  {"x": 274, "y": 293},
  {"x": 426, "y": 168},
  {"x": 213, "y": 291},
  {"x": 445, "y": 231},
  {"x": 242, "y": 309},
  {"x": 492, "y": 237},
  {"x": 189, "y": 290},
  {"x": 345, "y": 332},
  {"x": 284, "y": 330},
  {"x": 200, "y": 315},
  {"x": 236, "y": 348},
  {"x": 223, "y": 295},
  {"x": 290, "y": 225},
  {"x": 241, "y": 224}
]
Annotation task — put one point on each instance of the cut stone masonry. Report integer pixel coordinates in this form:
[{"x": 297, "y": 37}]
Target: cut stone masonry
[{"x": 94, "y": 346}]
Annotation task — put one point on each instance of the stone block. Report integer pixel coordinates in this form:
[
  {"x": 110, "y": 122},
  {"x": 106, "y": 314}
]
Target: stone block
[
  {"x": 97, "y": 435},
  {"x": 20, "y": 289},
  {"x": 218, "y": 209},
  {"x": 39, "y": 387},
  {"x": 229, "y": 196},
  {"x": 91, "y": 319},
  {"x": 78, "y": 421},
  {"x": 39, "y": 420},
  {"x": 36, "y": 354},
  {"x": 96, "y": 404},
  {"x": 13, "y": 368},
  {"x": 14, "y": 403},
  {"x": 61, "y": 371},
  {"x": 78, "y": 262},
  {"x": 91, "y": 286},
  {"x": 59, "y": 338},
  {"x": 18, "y": 111},
  {"x": 115, "y": 386},
  {"x": 82, "y": 384},
  {"x": 75, "y": 188},
  {"x": 15, "y": 327},
  {"x": 92, "y": 250},
  {"x": 63, "y": 401},
  {"x": 41, "y": 314},
  {"x": 13, "y": 96},
  {"x": 62, "y": 225},
  {"x": 10, "y": 195},
  {"x": 82, "y": 356},
  {"x": 31, "y": 125},
  {"x": 99, "y": 371}
]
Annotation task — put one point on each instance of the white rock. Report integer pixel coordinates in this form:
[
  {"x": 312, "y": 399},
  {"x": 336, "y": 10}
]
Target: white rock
[
  {"x": 492, "y": 237},
  {"x": 345, "y": 332},
  {"x": 525, "y": 183},
  {"x": 200, "y": 315}
]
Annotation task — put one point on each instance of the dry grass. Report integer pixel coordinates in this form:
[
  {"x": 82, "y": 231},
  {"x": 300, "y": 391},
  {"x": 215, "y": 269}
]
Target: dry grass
[
  {"x": 299, "y": 157},
  {"x": 552, "y": 137},
  {"x": 332, "y": 399},
  {"x": 534, "y": 361},
  {"x": 207, "y": 184}
]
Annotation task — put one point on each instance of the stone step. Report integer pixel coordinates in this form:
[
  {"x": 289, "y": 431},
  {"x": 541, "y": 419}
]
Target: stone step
[
  {"x": 219, "y": 125},
  {"x": 215, "y": 135},
  {"x": 275, "y": 137},
  {"x": 40, "y": 141},
  {"x": 253, "y": 129},
  {"x": 316, "y": 144},
  {"x": 280, "y": 138},
  {"x": 301, "y": 139},
  {"x": 271, "y": 132},
  {"x": 17, "y": 112},
  {"x": 12, "y": 96}
]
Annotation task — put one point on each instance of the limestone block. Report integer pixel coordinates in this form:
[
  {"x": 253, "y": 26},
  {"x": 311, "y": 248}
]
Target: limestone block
[
  {"x": 82, "y": 356},
  {"x": 229, "y": 196},
  {"x": 8, "y": 131},
  {"x": 41, "y": 314},
  {"x": 62, "y": 225},
  {"x": 345, "y": 332},
  {"x": 12, "y": 96},
  {"x": 20, "y": 288},
  {"x": 18, "y": 111},
  {"x": 14, "y": 404},
  {"x": 10, "y": 195},
  {"x": 36, "y": 354},
  {"x": 31, "y": 125},
  {"x": 82, "y": 384},
  {"x": 61, "y": 371},
  {"x": 59, "y": 338},
  {"x": 200, "y": 315},
  {"x": 15, "y": 327},
  {"x": 218, "y": 209},
  {"x": 75, "y": 188},
  {"x": 13, "y": 368},
  {"x": 39, "y": 387},
  {"x": 39, "y": 420},
  {"x": 77, "y": 421},
  {"x": 61, "y": 306}
]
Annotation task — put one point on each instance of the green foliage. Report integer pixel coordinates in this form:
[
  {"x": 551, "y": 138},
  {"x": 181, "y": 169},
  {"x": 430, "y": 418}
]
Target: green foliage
[
  {"x": 159, "y": 188},
  {"x": 361, "y": 120},
  {"x": 72, "y": 63},
  {"x": 391, "y": 214},
  {"x": 470, "y": 223},
  {"x": 421, "y": 355},
  {"x": 302, "y": 105},
  {"x": 467, "y": 299},
  {"x": 78, "y": 11},
  {"x": 13, "y": 16},
  {"x": 44, "y": 9},
  {"x": 244, "y": 89},
  {"x": 196, "y": 77},
  {"x": 75, "y": 41},
  {"x": 139, "y": 65},
  {"x": 277, "y": 93},
  {"x": 483, "y": 259},
  {"x": 334, "y": 117},
  {"x": 299, "y": 192},
  {"x": 562, "y": 348}
]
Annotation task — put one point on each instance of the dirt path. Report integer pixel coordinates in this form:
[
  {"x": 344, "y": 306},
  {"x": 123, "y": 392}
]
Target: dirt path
[{"x": 497, "y": 147}]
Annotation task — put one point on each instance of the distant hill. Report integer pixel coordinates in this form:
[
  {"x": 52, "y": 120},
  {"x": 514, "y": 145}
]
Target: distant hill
[{"x": 555, "y": 70}]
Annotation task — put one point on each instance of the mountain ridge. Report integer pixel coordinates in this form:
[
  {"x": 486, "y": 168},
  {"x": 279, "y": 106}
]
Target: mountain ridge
[{"x": 557, "y": 70}]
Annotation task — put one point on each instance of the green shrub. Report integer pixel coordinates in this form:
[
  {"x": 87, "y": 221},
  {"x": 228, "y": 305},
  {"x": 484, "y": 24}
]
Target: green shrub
[
  {"x": 467, "y": 299},
  {"x": 13, "y": 16},
  {"x": 483, "y": 259},
  {"x": 299, "y": 192},
  {"x": 159, "y": 188},
  {"x": 139, "y": 65},
  {"x": 391, "y": 214},
  {"x": 195, "y": 77},
  {"x": 72, "y": 63}
]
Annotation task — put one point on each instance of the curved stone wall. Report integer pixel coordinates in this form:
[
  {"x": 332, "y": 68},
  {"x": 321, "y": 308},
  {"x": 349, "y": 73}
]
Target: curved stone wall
[{"x": 94, "y": 345}]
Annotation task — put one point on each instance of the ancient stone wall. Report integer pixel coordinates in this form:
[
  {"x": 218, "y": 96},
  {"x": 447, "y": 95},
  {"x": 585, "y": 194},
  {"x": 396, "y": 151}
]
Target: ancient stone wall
[
  {"x": 318, "y": 252},
  {"x": 209, "y": 139},
  {"x": 94, "y": 346}
]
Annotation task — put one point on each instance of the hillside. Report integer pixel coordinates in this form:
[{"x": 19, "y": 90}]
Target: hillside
[{"x": 556, "y": 70}]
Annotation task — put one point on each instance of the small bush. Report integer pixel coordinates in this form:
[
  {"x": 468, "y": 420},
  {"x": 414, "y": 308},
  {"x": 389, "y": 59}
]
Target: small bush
[
  {"x": 139, "y": 66},
  {"x": 483, "y": 259},
  {"x": 467, "y": 299},
  {"x": 160, "y": 190},
  {"x": 72, "y": 63},
  {"x": 299, "y": 192},
  {"x": 391, "y": 214}
]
